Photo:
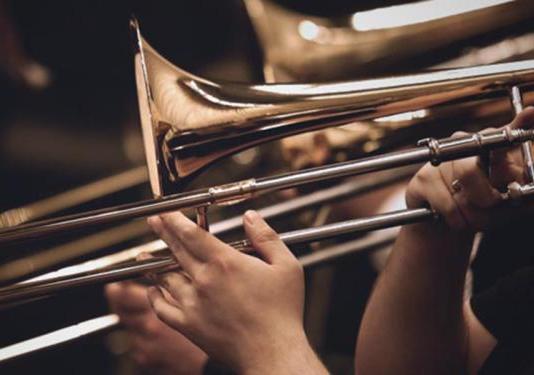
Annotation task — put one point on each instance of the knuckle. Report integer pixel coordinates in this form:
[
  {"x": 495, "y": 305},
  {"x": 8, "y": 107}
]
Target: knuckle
[
  {"x": 467, "y": 169},
  {"x": 268, "y": 235},
  {"x": 188, "y": 303},
  {"x": 424, "y": 174},
  {"x": 412, "y": 186},
  {"x": 189, "y": 233},
  {"x": 204, "y": 279},
  {"x": 158, "y": 307},
  {"x": 221, "y": 263}
]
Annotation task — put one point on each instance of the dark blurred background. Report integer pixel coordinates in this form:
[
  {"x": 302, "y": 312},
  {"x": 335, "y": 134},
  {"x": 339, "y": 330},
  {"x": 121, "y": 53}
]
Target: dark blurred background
[{"x": 73, "y": 119}]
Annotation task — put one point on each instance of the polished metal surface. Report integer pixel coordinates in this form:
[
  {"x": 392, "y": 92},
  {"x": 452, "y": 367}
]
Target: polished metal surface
[
  {"x": 73, "y": 197},
  {"x": 192, "y": 122},
  {"x": 58, "y": 337},
  {"x": 526, "y": 147},
  {"x": 189, "y": 122},
  {"x": 41, "y": 288},
  {"x": 368, "y": 243},
  {"x": 432, "y": 150},
  {"x": 298, "y": 46},
  {"x": 27, "y": 266}
]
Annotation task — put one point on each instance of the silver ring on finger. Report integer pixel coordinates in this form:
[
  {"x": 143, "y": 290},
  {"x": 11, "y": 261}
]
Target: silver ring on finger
[{"x": 456, "y": 186}]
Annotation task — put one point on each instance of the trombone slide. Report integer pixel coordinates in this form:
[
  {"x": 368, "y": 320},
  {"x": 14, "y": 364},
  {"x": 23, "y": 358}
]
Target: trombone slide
[{"x": 433, "y": 150}]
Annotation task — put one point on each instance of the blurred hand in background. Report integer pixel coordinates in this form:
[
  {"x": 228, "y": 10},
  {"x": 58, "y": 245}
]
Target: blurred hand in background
[{"x": 155, "y": 346}]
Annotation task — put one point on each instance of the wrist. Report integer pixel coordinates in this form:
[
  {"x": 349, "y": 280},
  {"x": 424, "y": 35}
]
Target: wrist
[
  {"x": 434, "y": 246},
  {"x": 437, "y": 235},
  {"x": 288, "y": 353}
]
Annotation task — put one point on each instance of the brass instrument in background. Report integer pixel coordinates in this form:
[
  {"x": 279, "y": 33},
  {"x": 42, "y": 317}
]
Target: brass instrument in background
[
  {"x": 309, "y": 48},
  {"x": 299, "y": 48}
]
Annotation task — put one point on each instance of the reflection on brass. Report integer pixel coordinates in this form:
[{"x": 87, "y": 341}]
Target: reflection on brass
[
  {"x": 54, "y": 256},
  {"x": 339, "y": 192},
  {"x": 428, "y": 150},
  {"x": 302, "y": 47},
  {"x": 340, "y": 47},
  {"x": 331, "y": 254},
  {"x": 73, "y": 197},
  {"x": 188, "y": 122}
]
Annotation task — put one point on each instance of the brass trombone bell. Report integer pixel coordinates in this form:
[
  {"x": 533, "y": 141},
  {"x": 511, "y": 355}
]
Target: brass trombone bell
[{"x": 189, "y": 122}]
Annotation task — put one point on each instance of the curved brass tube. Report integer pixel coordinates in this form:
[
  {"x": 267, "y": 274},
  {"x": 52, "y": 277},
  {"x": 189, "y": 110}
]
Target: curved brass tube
[
  {"x": 431, "y": 150},
  {"x": 311, "y": 48},
  {"x": 189, "y": 122},
  {"x": 73, "y": 197}
]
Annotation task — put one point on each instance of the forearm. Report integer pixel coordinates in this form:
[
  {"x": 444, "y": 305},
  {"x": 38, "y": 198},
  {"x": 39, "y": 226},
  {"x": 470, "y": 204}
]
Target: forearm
[{"x": 414, "y": 319}]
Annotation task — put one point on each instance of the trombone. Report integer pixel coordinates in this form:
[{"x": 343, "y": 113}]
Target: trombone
[
  {"x": 109, "y": 321},
  {"x": 189, "y": 122},
  {"x": 429, "y": 150},
  {"x": 181, "y": 144}
]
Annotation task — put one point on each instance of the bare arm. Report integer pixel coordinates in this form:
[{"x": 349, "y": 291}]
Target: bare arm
[
  {"x": 480, "y": 341},
  {"x": 415, "y": 321}
]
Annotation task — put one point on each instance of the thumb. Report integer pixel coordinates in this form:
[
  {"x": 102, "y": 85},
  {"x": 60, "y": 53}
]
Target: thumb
[
  {"x": 506, "y": 164},
  {"x": 524, "y": 120},
  {"x": 264, "y": 239}
]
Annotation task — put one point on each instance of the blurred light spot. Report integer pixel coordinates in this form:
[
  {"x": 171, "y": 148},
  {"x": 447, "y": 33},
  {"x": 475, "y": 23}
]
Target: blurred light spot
[
  {"x": 57, "y": 337},
  {"x": 246, "y": 157},
  {"x": 405, "y": 116},
  {"x": 423, "y": 11},
  {"x": 308, "y": 30}
]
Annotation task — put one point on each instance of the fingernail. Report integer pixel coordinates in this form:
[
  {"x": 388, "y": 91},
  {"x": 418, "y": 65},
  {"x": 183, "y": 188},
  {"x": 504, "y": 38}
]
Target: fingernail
[{"x": 251, "y": 216}]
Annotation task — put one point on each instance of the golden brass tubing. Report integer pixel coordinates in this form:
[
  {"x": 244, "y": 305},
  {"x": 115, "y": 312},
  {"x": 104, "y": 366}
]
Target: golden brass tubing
[
  {"x": 73, "y": 197},
  {"x": 16, "y": 269},
  {"x": 189, "y": 122},
  {"x": 42, "y": 260},
  {"x": 29, "y": 290},
  {"x": 77, "y": 331},
  {"x": 434, "y": 151},
  {"x": 431, "y": 150},
  {"x": 304, "y": 47}
]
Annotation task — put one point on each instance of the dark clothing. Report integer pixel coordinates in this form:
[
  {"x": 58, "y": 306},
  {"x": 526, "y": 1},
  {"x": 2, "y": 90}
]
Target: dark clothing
[{"x": 507, "y": 311}]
